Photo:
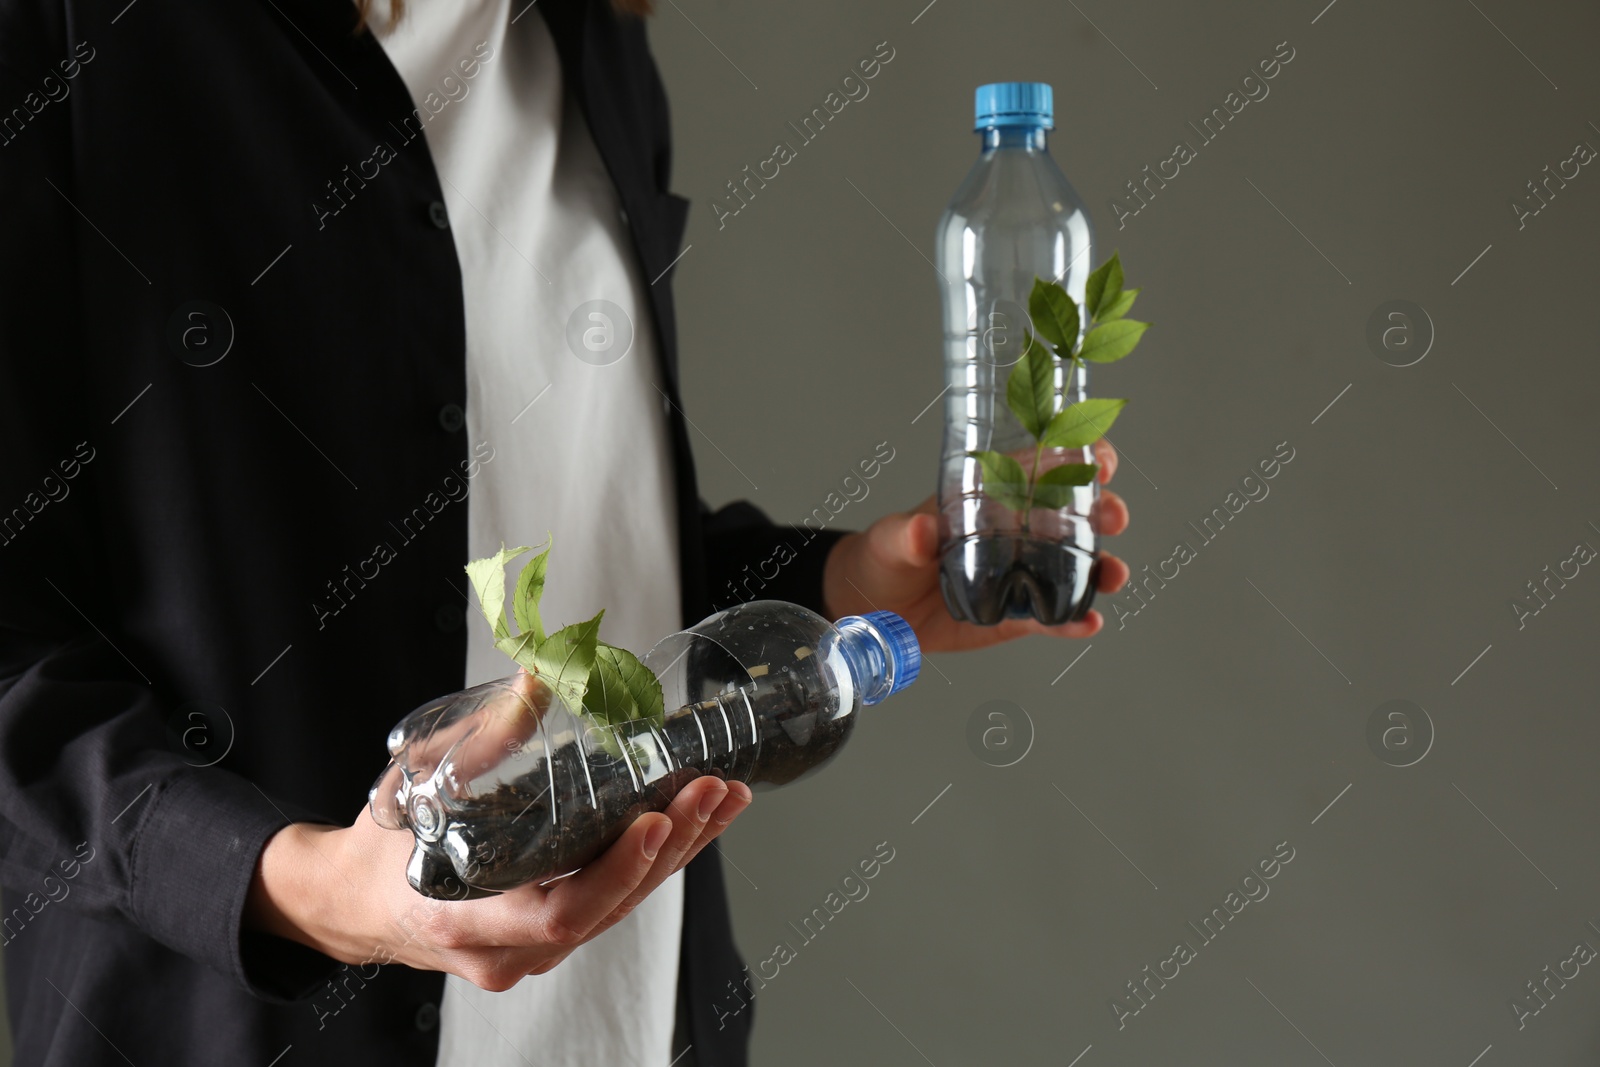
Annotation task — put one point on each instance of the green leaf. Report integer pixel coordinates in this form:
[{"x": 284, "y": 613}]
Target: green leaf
[
  {"x": 1032, "y": 344},
  {"x": 488, "y": 577},
  {"x": 1030, "y": 390},
  {"x": 525, "y": 600},
  {"x": 1054, "y": 314},
  {"x": 1054, "y": 487},
  {"x": 1082, "y": 424},
  {"x": 1105, "y": 285},
  {"x": 607, "y": 738},
  {"x": 520, "y": 647},
  {"x": 622, "y": 688},
  {"x": 1109, "y": 343},
  {"x": 566, "y": 658},
  {"x": 1003, "y": 479},
  {"x": 1118, "y": 307}
]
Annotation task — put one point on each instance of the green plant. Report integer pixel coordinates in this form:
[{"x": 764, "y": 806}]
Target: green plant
[
  {"x": 606, "y": 684},
  {"x": 1031, "y": 393}
]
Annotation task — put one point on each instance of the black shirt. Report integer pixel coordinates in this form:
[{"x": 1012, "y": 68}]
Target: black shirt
[{"x": 214, "y": 400}]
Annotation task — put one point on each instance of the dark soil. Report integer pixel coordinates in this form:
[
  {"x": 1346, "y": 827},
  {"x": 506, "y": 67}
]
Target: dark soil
[
  {"x": 769, "y": 732},
  {"x": 989, "y": 578}
]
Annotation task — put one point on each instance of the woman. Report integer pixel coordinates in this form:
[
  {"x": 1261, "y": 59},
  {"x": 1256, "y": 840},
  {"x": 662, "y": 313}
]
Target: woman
[{"x": 303, "y": 306}]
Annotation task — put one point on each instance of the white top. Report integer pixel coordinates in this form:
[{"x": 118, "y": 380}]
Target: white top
[{"x": 580, "y": 451}]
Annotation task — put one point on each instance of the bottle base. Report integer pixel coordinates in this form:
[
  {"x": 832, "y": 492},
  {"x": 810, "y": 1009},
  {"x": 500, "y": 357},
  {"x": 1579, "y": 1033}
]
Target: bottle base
[{"x": 990, "y": 578}]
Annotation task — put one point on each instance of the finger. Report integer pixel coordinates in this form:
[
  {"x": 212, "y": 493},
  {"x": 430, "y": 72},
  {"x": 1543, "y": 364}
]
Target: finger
[
  {"x": 1114, "y": 574},
  {"x": 1088, "y": 626},
  {"x": 575, "y": 906},
  {"x": 738, "y": 799},
  {"x": 906, "y": 542},
  {"x": 506, "y": 721},
  {"x": 1111, "y": 514},
  {"x": 968, "y": 637},
  {"x": 888, "y": 563},
  {"x": 923, "y": 538},
  {"x": 689, "y": 811},
  {"x": 1105, "y": 455},
  {"x": 735, "y": 800}
]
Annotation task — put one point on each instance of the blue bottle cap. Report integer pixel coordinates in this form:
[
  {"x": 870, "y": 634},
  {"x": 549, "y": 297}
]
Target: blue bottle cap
[
  {"x": 905, "y": 655},
  {"x": 1014, "y": 104}
]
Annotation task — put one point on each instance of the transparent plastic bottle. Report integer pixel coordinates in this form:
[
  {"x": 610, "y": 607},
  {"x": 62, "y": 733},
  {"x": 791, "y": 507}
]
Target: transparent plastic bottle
[
  {"x": 1015, "y": 217},
  {"x": 502, "y": 784}
]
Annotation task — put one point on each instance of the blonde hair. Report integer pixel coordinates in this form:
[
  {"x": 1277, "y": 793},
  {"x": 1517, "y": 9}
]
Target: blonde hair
[{"x": 397, "y": 9}]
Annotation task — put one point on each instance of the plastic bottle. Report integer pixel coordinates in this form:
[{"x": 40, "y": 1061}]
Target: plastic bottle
[
  {"x": 502, "y": 784},
  {"x": 1015, "y": 217}
]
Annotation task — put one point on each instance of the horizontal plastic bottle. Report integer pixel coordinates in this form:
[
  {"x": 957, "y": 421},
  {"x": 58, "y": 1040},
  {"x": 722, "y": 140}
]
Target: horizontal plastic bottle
[
  {"x": 502, "y": 784},
  {"x": 1014, "y": 218}
]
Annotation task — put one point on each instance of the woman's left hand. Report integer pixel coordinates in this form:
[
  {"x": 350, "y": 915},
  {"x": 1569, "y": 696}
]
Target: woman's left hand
[{"x": 893, "y": 565}]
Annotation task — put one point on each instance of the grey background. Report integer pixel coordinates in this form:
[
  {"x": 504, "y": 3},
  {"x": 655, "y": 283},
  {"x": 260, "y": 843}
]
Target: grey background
[
  {"x": 1209, "y": 729},
  {"x": 1219, "y": 722}
]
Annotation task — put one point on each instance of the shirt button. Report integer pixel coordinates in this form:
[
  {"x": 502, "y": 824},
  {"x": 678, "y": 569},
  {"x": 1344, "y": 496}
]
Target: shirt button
[
  {"x": 427, "y": 1017},
  {"x": 452, "y": 418},
  {"x": 622, "y": 213},
  {"x": 448, "y": 618},
  {"x": 439, "y": 215}
]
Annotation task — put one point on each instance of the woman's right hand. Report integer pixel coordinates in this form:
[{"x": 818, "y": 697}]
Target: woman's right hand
[{"x": 343, "y": 892}]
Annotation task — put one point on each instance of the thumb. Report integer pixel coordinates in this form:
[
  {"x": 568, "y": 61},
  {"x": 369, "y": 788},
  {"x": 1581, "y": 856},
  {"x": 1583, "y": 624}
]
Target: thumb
[{"x": 904, "y": 542}]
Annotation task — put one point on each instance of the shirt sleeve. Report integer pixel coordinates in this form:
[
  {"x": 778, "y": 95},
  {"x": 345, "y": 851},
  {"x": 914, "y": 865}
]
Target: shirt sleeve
[
  {"x": 749, "y": 557},
  {"x": 91, "y": 790}
]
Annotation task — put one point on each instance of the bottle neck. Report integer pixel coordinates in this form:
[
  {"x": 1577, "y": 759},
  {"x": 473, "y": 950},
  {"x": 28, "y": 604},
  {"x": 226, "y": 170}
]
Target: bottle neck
[
  {"x": 882, "y": 653},
  {"x": 1030, "y": 137},
  {"x": 867, "y": 652},
  {"x": 868, "y": 655}
]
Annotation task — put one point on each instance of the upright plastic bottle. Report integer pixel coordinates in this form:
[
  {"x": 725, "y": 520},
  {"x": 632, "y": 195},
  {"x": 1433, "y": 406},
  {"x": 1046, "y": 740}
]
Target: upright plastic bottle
[
  {"x": 502, "y": 784},
  {"x": 1014, "y": 218}
]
